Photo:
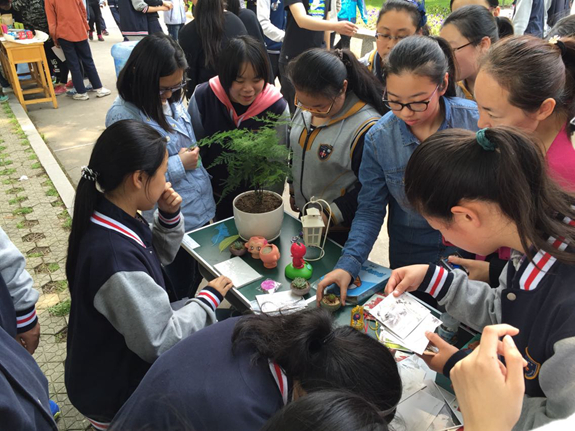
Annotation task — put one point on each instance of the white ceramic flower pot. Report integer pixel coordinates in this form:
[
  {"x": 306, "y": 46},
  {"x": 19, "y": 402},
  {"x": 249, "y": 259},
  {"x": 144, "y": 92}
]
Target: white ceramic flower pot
[{"x": 268, "y": 224}]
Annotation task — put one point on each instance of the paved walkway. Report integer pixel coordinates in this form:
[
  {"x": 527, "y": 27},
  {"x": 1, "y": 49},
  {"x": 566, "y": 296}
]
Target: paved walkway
[{"x": 35, "y": 218}]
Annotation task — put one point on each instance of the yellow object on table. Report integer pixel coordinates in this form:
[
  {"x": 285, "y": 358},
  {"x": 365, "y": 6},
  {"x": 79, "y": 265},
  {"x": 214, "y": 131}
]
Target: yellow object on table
[{"x": 12, "y": 54}]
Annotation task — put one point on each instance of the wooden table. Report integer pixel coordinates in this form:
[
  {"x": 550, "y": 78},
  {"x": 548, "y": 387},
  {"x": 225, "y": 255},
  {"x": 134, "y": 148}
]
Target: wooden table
[{"x": 12, "y": 54}]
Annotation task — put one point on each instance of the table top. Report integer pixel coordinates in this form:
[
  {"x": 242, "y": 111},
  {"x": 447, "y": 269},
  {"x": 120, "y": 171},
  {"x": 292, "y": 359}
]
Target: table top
[{"x": 208, "y": 255}]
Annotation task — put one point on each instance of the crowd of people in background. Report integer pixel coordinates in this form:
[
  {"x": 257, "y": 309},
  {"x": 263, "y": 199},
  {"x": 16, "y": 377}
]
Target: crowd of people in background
[{"x": 463, "y": 139}]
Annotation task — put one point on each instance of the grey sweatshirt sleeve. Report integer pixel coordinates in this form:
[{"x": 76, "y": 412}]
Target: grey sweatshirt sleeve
[
  {"x": 167, "y": 233},
  {"x": 140, "y": 310},
  {"x": 19, "y": 283},
  {"x": 472, "y": 302},
  {"x": 557, "y": 380}
]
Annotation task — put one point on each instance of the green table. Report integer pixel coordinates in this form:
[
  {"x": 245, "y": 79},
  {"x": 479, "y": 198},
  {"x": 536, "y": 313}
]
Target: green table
[{"x": 208, "y": 255}]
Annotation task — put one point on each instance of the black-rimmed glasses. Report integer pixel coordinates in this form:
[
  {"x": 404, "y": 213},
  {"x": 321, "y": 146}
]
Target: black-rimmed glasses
[
  {"x": 412, "y": 106},
  {"x": 461, "y": 47}
]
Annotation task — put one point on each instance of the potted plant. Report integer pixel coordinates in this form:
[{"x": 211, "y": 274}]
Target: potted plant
[
  {"x": 238, "y": 248},
  {"x": 300, "y": 286},
  {"x": 258, "y": 160},
  {"x": 330, "y": 302}
]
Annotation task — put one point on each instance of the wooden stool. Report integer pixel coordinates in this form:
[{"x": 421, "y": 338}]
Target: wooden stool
[{"x": 11, "y": 54}]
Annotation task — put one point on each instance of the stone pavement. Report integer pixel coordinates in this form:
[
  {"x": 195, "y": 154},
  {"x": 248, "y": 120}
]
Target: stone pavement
[{"x": 35, "y": 218}]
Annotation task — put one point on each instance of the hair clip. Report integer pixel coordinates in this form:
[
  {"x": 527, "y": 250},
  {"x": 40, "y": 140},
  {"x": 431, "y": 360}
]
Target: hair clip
[
  {"x": 89, "y": 174},
  {"x": 554, "y": 40},
  {"x": 484, "y": 141}
]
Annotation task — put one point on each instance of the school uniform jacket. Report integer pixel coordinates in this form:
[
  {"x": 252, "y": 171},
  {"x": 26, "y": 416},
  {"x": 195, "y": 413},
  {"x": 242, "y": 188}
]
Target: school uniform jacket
[
  {"x": 323, "y": 157},
  {"x": 121, "y": 319},
  {"x": 537, "y": 298},
  {"x": 204, "y": 385}
]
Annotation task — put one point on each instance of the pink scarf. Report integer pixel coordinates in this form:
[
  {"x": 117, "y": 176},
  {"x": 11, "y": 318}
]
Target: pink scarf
[{"x": 263, "y": 101}]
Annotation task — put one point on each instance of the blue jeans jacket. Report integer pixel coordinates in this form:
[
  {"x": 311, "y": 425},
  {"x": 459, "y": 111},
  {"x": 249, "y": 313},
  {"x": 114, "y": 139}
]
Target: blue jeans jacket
[
  {"x": 388, "y": 147},
  {"x": 194, "y": 186}
]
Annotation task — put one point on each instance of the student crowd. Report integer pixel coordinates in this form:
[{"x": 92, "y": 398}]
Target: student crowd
[{"x": 464, "y": 139}]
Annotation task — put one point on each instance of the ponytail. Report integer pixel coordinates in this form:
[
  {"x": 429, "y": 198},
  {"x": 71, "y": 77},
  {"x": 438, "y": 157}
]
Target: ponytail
[
  {"x": 320, "y": 356},
  {"x": 454, "y": 165},
  {"x": 122, "y": 149},
  {"x": 428, "y": 56},
  {"x": 322, "y": 72},
  {"x": 551, "y": 71}
]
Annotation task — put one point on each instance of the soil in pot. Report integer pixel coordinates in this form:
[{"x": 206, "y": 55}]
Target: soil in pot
[
  {"x": 249, "y": 203},
  {"x": 330, "y": 302}
]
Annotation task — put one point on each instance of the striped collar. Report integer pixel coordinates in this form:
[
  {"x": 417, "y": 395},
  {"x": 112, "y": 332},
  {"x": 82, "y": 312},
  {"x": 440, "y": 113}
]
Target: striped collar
[
  {"x": 109, "y": 223},
  {"x": 542, "y": 262},
  {"x": 281, "y": 380}
]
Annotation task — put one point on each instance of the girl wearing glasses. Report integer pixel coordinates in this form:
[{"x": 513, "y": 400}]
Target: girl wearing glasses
[
  {"x": 420, "y": 92},
  {"x": 470, "y": 30},
  {"x": 150, "y": 88},
  {"x": 397, "y": 20},
  {"x": 241, "y": 96},
  {"x": 337, "y": 102}
]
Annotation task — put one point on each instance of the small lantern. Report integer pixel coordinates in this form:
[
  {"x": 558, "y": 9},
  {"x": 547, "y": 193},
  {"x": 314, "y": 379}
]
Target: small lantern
[{"x": 312, "y": 227}]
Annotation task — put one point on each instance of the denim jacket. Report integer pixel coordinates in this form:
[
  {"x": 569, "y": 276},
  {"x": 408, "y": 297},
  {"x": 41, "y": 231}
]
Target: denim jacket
[
  {"x": 198, "y": 205},
  {"x": 388, "y": 147}
]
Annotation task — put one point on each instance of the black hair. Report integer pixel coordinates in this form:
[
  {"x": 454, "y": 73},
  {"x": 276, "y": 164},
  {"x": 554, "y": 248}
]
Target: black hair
[
  {"x": 474, "y": 22},
  {"x": 428, "y": 56},
  {"x": 415, "y": 9},
  {"x": 490, "y": 3},
  {"x": 233, "y": 6},
  {"x": 504, "y": 27},
  {"x": 565, "y": 27},
  {"x": 122, "y": 149},
  {"x": 551, "y": 72},
  {"x": 240, "y": 51},
  {"x": 451, "y": 166},
  {"x": 209, "y": 15},
  {"x": 154, "y": 57},
  {"x": 330, "y": 410},
  {"x": 319, "y": 355},
  {"x": 322, "y": 72}
]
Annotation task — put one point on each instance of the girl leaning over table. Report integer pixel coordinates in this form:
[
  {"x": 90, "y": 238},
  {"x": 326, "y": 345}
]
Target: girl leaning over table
[
  {"x": 337, "y": 102},
  {"x": 484, "y": 191}
]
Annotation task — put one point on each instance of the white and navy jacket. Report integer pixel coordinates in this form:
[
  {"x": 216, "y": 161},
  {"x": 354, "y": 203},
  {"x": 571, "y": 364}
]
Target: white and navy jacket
[
  {"x": 536, "y": 297},
  {"x": 121, "y": 319},
  {"x": 19, "y": 284}
]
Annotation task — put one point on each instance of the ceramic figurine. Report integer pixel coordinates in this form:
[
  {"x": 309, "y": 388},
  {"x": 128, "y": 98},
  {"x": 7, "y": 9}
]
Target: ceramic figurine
[
  {"x": 357, "y": 318},
  {"x": 299, "y": 267},
  {"x": 269, "y": 254},
  {"x": 255, "y": 244}
]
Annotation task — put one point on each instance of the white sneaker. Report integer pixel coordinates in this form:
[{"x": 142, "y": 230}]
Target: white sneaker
[
  {"x": 6, "y": 90},
  {"x": 102, "y": 92},
  {"x": 81, "y": 96}
]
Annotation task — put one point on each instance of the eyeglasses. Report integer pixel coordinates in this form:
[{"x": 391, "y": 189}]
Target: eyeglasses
[
  {"x": 462, "y": 46},
  {"x": 174, "y": 89},
  {"x": 413, "y": 106},
  {"x": 313, "y": 110},
  {"x": 389, "y": 37}
]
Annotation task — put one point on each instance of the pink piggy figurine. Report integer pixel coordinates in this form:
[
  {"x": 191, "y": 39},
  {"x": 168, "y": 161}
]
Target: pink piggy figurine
[
  {"x": 255, "y": 244},
  {"x": 269, "y": 254}
]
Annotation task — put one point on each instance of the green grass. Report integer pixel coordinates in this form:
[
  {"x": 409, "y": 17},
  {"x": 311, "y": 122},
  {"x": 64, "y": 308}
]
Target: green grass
[
  {"x": 35, "y": 254},
  {"x": 36, "y": 165},
  {"x": 52, "y": 192},
  {"x": 4, "y": 162},
  {"x": 7, "y": 172},
  {"x": 8, "y": 182},
  {"x": 17, "y": 200},
  {"x": 61, "y": 309},
  {"x": 32, "y": 157},
  {"x": 22, "y": 211},
  {"x": 14, "y": 190}
]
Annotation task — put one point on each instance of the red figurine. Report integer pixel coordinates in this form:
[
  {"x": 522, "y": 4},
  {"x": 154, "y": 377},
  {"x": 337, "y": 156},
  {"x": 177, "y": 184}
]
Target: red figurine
[{"x": 297, "y": 253}]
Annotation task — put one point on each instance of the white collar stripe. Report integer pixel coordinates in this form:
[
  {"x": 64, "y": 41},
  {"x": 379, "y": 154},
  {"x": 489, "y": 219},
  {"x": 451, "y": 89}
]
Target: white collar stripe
[
  {"x": 109, "y": 223},
  {"x": 280, "y": 379},
  {"x": 542, "y": 263}
]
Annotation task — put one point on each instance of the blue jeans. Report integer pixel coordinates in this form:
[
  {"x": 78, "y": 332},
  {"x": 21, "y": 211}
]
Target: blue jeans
[
  {"x": 174, "y": 30},
  {"x": 78, "y": 54}
]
